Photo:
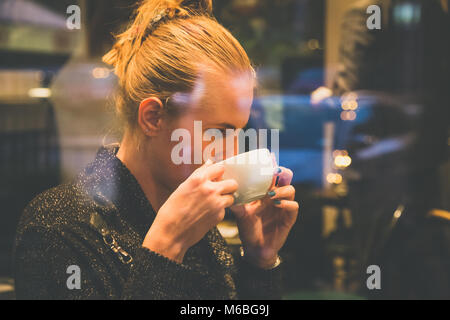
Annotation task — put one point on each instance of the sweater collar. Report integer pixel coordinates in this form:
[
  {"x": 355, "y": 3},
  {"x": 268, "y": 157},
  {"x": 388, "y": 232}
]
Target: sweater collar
[{"x": 108, "y": 176}]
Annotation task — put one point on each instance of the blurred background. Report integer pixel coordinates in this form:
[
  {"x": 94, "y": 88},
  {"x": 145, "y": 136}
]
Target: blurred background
[{"x": 363, "y": 118}]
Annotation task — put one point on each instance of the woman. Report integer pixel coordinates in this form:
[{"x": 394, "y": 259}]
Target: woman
[{"x": 133, "y": 225}]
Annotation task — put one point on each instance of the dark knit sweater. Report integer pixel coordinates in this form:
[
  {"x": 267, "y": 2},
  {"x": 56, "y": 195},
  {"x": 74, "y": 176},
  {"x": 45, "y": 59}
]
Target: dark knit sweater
[{"x": 58, "y": 230}]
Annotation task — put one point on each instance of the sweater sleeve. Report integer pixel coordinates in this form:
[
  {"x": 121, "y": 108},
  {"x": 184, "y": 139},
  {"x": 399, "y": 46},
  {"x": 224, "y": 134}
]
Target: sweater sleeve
[
  {"x": 43, "y": 256},
  {"x": 254, "y": 283},
  {"x": 157, "y": 277}
]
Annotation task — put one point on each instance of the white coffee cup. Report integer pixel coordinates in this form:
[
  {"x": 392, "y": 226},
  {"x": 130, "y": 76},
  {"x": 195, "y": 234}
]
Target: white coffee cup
[{"x": 253, "y": 171}]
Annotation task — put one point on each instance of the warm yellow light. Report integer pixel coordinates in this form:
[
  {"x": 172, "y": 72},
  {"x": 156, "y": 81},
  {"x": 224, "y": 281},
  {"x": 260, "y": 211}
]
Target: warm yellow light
[
  {"x": 334, "y": 178},
  {"x": 349, "y": 105},
  {"x": 339, "y": 153},
  {"x": 342, "y": 161},
  {"x": 320, "y": 94},
  {"x": 100, "y": 73},
  {"x": 313, "y": 44},
  {"x": 40, "y": 93}
]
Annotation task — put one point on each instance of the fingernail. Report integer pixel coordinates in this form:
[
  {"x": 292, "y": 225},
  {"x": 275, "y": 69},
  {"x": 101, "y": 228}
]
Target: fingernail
[
  {"x": 277, "y": 201},
  {"x": 271, "y": 193},
  {"x": 276, "y": 181}
]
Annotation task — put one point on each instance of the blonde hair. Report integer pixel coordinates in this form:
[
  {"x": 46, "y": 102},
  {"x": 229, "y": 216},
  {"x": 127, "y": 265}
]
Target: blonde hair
[{"x": 159, "y": 54}]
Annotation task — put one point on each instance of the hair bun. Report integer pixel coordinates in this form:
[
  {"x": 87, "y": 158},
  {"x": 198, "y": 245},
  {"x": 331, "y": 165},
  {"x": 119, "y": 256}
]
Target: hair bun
[
  {"x": 200, "y": 6},
  {"x": 150, "y": 12}
]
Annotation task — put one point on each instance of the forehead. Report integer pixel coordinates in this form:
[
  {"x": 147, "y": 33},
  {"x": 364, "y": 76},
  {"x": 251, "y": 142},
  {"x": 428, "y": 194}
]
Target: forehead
[{"x": 223, "y": 98}]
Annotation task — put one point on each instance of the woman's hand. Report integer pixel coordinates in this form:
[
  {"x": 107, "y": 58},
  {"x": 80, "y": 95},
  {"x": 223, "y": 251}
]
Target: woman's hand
[
  {"x": 194, "y": 208},
  {"x": 265, "y": 224}
]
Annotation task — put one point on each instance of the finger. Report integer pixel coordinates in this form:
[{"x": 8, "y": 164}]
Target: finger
[
  {"x": 227, "y": 200},
  {"x": 227, "y": 186},
  {"x": 286, "y": 192},
  {"x": 276, "y": 172},
  {"x": 201, "y": 169},
  {"x": 275, "y": 177},
  {"x": 215, "y": 171},
  {"x": 288, "y": 205},
  {"x": 284, "y": 177}
]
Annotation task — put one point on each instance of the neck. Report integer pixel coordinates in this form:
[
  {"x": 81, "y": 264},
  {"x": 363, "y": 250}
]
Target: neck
[{"x": 137, "y": 162}]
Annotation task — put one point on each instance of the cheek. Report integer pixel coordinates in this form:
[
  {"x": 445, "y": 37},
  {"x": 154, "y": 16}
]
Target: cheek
[
  {"x": 218, "y": 150},
  {"x": 178, "y": 173},
  {"x": 169, "y": 173}
]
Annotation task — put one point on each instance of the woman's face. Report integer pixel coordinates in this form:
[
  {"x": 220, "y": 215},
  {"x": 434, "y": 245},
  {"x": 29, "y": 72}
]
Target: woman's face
[{"x": 218, "y": 102}]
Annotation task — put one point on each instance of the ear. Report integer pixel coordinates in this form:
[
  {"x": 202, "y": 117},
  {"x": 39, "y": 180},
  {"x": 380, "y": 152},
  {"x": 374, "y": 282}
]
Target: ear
[{"x": 150, "y": 116}]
